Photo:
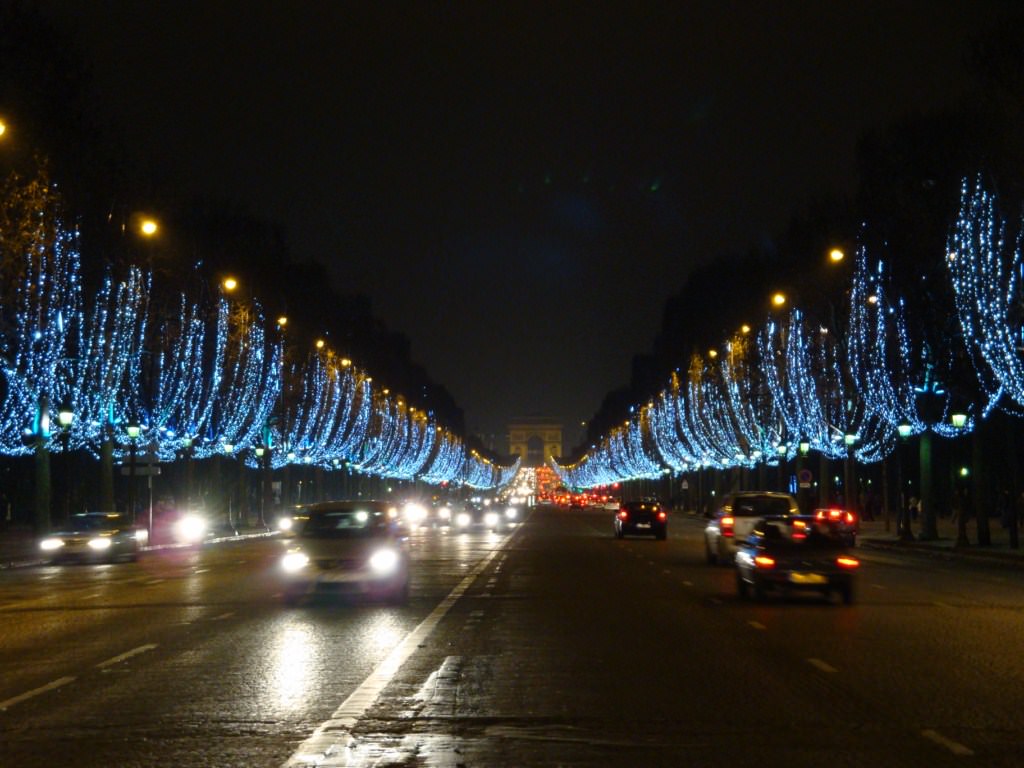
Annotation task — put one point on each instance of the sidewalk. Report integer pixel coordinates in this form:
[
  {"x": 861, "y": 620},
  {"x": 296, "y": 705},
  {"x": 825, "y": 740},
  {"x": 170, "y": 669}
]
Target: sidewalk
[{"x": 873, "y": 534}]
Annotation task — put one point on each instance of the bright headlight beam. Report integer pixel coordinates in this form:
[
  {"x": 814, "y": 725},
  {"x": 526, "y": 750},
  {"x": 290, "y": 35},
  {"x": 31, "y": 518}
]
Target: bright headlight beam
[
  {"x": 384, "y": 560},
  {"x": 294, "y": 561}
]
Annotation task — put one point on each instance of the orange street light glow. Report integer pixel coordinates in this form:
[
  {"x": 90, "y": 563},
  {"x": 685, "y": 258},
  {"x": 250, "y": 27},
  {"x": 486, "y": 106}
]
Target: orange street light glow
[
  {"x": 779, "y": 299},
  {"x": 836, "y": 255},
  {"x": 230, "y": 283}
]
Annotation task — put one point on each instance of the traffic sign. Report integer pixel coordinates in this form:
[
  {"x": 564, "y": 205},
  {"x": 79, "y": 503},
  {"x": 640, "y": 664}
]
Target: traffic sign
[{"x": 805, "y": 478}]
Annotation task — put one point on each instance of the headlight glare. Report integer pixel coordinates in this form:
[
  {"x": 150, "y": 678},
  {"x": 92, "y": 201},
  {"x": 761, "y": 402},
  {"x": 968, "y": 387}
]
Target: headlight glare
[
  {"x": 190, "y": 528},
  {"x": 49, "y": 545},
  {"x": 294, "y": 561},
  {"x": 100, "y": 543},
  {"x": 384, "y": 561}
]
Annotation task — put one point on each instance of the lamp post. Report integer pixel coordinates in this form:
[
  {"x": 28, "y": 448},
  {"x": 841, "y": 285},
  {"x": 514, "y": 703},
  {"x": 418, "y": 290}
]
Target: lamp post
[
  {"x": 132, "y": 430},
  {"x": 849, "y": 478},
  {"x": 903, "y": 513},
  {"x": 66, "y": 417}
]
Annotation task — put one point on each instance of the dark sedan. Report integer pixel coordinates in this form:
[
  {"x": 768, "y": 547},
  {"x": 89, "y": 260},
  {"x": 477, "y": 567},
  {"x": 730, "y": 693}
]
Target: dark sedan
[
  {"x": 795, "y": 554},
  {"x": 641, "y": 518},
  {"x": 94, "y": 537}
]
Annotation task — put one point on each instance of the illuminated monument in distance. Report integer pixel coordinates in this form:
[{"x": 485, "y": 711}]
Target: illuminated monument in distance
[{"x": 535, "y": 439}]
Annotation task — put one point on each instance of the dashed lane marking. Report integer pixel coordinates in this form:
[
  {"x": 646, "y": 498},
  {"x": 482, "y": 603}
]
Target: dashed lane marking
[
  {"x": 125, "y": 656},
  {"x": 824, "y": 666},
  {"x": 955, "y": 747},
  {"x": 223, "y": 616},
  {"x": 8, "y": 703},
  {"x": 757, "y": 625}
]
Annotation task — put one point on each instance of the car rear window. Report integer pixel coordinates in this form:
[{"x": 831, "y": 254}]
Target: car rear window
[{"x": 760, "y": 506}]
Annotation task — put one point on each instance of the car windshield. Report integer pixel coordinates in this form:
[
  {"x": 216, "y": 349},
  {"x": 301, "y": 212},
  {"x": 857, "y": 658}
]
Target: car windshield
[
  {"x": 95, "y": 522},
  {"x": 346, "y": 524}
]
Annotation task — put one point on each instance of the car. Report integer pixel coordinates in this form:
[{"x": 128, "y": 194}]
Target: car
[
  {"x": 641, "y": 518},
  {"x": 845, "y": 520},
  {"x": 795, "y": 553},
  {"x": 482, "y": 515},
  {"x": 735, "y": 518},
  {"x": 94, "y": 537},
  {"x": 353, "y": 548}
]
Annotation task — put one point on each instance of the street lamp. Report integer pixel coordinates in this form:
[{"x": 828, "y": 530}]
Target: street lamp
[
  {"x": 903, "y": 517},
  {"x": 958, "y": 420},
  {"x": 66, "y": 417},
  {"x": 133, "y": 431},
  {"x": 849, "y": 481}
]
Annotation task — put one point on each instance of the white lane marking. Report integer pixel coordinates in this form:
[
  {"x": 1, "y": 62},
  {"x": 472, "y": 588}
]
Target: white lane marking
[
  {"x": 757, "y": 625},
  {"x": 227, "y": 615},
  {"x": 200, "y": 570},
  {"x": 940, "y": 604},
  {"x": 93, "y": 596},
  {"x": 151, "y": 582},
  {"x": 687, "y": 583},
  {"x": 822, "y": 665},
  {"x": 716, "y": 601},
  {"x": 878, "y": 586},
  {"x": 955, "y": 747},
  {"x": 126, "y": 655},
  {"x": 35, "y": 692},
  {"x": 666, "y": 571},
  {"x": 333, "y": 735}
]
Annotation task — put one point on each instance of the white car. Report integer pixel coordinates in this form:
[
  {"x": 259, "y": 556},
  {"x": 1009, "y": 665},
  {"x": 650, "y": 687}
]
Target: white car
[{"x": 735, "y": 519}]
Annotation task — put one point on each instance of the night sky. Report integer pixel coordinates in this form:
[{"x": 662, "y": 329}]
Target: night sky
[{"x": 518, "y": 187}]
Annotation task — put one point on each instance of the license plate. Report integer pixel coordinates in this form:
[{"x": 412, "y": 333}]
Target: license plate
[
  {"x": 807, "y": 578},
  {"x": 643, "y": 525},
  {"x": 339, "y": 576}
]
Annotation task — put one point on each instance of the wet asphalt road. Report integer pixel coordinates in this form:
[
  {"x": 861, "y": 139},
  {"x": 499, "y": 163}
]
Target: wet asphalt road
[{"x": 565, "y": 647}]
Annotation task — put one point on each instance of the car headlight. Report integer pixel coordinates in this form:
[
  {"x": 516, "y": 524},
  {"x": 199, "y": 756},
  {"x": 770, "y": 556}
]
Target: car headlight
[
  {"x": 294, "y": 561},
  {"x": 285, "y": 523},
  {"x": 49, "y": 545},
  {"x": 190, "y": 528},
  {"x": 444, "y": 513},
  {"x": 384, "y": 561},
  {"x": 491, "y": 518},
  {"x": 100, "y": 543},
  {"x": 414, "y": 513},
  {"x": 463, "y": 519},
  {"x": 511, "y": 513},
  {"x": 142, "y": 536}
]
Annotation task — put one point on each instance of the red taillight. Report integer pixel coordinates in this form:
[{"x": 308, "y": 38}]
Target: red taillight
[
  {"x": 763, "y": 561},
  {"x": 726, "y": 524},
  {"x": 662, "y": 516},
  {"x": 849, "y": 518},
  {"x": 623, "y": 514},
  {"x": 847, "y": 562}
]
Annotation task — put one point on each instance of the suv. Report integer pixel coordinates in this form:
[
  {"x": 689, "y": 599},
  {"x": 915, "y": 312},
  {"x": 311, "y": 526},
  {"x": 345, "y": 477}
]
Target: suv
[{"x": 736, "y": 517}]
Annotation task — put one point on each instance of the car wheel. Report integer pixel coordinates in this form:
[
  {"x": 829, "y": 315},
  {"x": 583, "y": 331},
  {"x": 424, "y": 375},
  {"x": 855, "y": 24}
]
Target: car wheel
[
  {"x": 618, "y": 533},
  {"x": 711, "y": 557},
  {"x": 741, "y": 587},
  {"x": 758, "y": 591}
]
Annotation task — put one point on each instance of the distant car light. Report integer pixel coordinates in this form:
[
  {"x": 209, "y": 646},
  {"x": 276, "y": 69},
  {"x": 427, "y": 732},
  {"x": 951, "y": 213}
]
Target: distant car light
[
  {"x": 444, "y": 514},
  {"x": 463, "y": 519},
  {"x": 294, "y": 561},
  {"x": 49, "y": 545},
  {"x": 190, "y": 529},
  {"x": 491, "y": 519},
  {"x": 414, "y": 513},
  {"x": 511, "y": 513},
  {"x": 100, "y": 543}
]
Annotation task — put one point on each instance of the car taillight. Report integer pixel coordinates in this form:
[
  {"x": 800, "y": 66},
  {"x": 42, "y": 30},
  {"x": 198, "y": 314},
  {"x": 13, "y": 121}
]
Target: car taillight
[
  {"x": 849, "y": 518},
  {"x": 662, "y": 516},
  {"x": 623, "y": 514},
  {"x": 763, "y": 561},
  {"x": 847, "y": 562},
  {"x": 726, "y": 524}
]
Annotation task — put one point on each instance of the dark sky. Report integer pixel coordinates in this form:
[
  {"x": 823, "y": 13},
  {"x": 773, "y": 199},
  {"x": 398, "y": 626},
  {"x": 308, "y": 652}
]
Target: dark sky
[{"x": 518, "y": 187}]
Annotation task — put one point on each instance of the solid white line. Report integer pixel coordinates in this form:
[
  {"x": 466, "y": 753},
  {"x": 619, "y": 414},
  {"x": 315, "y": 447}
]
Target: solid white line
[
  {"x": 333, "y": 735},
  {"x": 955, "y": 747},
  {"x": 35, "y": 692},
  {"x": 822, "y": 665},
  {"x": 227, "y": 615},
  {"x": 126, "y": 655},
  {"x": 757, "y": 625}
]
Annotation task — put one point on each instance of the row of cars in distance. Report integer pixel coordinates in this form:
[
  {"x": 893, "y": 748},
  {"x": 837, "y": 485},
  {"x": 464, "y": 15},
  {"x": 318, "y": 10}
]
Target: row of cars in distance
[
  {"x": 361, "y": 548},
  {"x": 774, "y": 547}
]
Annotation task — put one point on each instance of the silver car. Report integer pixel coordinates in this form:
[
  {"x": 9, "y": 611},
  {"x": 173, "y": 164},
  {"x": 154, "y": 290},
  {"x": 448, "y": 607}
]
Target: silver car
[
  {"x": 94, "y": 537},
  {"x": 735, "y": 519},
  {"x": 348, "y": 548}
]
